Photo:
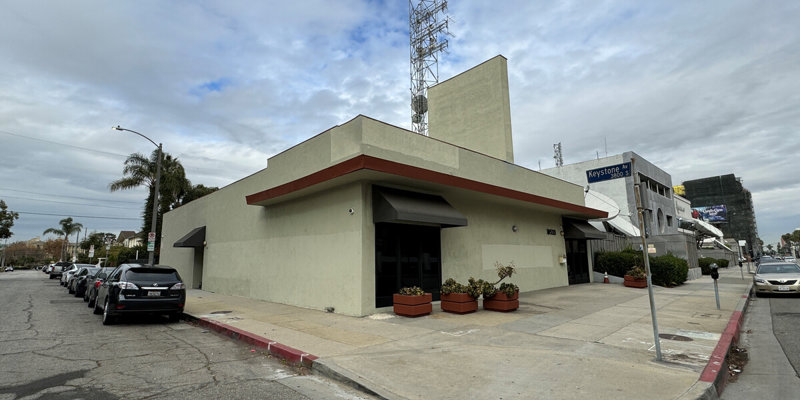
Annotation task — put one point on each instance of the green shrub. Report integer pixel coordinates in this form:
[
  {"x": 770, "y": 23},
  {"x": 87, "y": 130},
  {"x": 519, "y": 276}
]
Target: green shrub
[
  {"x": 617, "y": 263},
  {"x": 723, "y": 263},
  {"x": 668, "y": 270},
  {"x": 705, "y": 263}
]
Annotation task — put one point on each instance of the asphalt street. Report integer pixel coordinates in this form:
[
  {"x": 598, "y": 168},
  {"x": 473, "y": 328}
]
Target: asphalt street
[{"x": 52, "y": 346}]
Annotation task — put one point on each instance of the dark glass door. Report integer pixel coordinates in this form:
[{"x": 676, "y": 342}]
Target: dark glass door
[
  {"x": 406, "y": 255},
  {"x": 577, "y": 261}
]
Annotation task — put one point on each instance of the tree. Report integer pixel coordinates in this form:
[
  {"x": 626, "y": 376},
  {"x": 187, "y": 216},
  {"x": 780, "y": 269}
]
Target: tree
[
  {"x": 141, "y": 171},
  {"x": 68, "y": 227},
  {"x": 6, "y": 222},
  {"x": 196, "y": 192}
]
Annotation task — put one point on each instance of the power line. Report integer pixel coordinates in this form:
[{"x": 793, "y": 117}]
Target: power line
[
  {"x": 73, "y": 197},
  {"x": 68, "y": 202},
  {"x": 65, "y": 144},
  {"x": 77, "y": 216}
]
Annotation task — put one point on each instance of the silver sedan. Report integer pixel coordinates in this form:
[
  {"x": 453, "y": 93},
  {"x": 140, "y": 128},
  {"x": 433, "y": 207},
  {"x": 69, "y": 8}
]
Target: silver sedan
[{"x": 777, "y": 277}]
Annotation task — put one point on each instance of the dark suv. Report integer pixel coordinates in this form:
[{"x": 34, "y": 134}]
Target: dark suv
[{"x": 137, "y": 288}]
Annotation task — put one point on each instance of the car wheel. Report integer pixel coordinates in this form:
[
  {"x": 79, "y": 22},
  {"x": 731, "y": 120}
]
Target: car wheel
[
  {"x": 77, "y": 294},
  {"x": 70, "y": 290},
  {"x": 90, "y": 303},
  {"x": 97, "y": 310},
  {"x": 107, "y": 319},
  {"x": 86, "y": 295}
]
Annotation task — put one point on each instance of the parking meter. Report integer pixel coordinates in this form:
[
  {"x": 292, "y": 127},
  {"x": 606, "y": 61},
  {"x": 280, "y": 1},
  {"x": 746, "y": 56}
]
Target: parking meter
[{"x": 715, "y": 276}]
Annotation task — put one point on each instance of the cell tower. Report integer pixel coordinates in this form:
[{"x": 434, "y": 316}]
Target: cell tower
[
  {"x": 428, "y": 30},
  {"x": 558, "y": 156}
]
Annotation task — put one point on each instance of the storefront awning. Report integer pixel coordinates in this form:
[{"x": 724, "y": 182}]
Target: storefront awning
[
  {"x": 580, "y": 229},
  {"x": 393, "y": 205},
  {"x": 195, "y": 238},
  {"x": 707, "y": 229},
  {"x": 624, "y": 225}
]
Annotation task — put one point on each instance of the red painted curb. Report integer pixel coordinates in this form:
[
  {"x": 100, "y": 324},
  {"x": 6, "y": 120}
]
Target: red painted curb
[
  {"x": 716, "y": 371},
  {"x": 278, "y": 350}
]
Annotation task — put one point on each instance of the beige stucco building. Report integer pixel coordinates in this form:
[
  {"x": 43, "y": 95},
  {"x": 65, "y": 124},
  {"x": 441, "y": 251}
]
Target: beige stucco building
[{"x": 347, "y": 217}]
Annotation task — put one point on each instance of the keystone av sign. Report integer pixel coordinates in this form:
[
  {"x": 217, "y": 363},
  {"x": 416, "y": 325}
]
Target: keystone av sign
[{"x": 608, "y": 173}]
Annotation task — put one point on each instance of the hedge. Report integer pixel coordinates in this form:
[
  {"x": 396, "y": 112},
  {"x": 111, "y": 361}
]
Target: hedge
[
  {"x": 723, "y": 263},
  {"x": 617, "y": 263},
  {"x": 667, "y": 270},
  {"x": 705, "y": 263}
]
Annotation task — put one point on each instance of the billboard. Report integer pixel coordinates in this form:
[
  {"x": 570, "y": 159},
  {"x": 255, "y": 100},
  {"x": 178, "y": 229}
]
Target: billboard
[{"x": 710, "y": 213}]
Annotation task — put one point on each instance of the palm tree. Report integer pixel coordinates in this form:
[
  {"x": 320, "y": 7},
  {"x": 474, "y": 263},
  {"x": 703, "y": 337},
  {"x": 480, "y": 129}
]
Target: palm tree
[
  {"x": 67, "y": 228},
  {"x": 141, "y": 171}
]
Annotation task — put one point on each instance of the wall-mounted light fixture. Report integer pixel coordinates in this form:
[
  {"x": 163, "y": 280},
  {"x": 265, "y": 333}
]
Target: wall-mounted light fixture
[
  {"x": 351, "y": 211},
  {"x": 562, "y": 259},
  {"x": 514, "y": 228}
]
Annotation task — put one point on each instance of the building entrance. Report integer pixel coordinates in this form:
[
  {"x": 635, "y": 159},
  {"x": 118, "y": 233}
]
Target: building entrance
[
  {"x": 406, "y": 255},
  {"x": 577, "y": 261}
]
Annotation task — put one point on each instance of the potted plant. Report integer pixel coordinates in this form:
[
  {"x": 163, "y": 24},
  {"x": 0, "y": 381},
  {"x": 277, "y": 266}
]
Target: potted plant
[
  {"x": 457, "y": 298},
  {"x": 412, "y": 302},
  {"x": 636, "y": 278},
  {"x": 506, "y": 297}
]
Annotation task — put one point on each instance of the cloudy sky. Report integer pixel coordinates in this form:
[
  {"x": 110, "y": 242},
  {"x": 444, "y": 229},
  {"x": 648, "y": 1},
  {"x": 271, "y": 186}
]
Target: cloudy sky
[{"x": 698, "y": 88}]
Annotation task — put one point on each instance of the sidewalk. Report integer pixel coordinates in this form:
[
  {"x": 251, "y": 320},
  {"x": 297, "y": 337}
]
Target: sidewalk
[{"x": 583, "y": 341}]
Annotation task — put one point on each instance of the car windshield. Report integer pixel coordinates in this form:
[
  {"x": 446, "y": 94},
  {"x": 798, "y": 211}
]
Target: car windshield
[
  {"x": 779, "y": 269},
  {"x": 152, "y": 275}
]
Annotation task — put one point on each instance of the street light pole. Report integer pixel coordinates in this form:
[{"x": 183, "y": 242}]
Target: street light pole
[{"x": 153, "y": 224}]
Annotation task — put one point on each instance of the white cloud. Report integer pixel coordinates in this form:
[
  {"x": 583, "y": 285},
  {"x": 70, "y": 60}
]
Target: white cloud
[{"x": 700, "y": 89}]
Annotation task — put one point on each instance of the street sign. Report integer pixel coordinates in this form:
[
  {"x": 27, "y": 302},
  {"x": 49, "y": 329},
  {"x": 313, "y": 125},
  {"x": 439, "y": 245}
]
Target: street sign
[
  {"x": 609, "y": 172},
  {"x": 151, "y": 246},
  {"x": 151, "y": 237},
  {"x": 651, "y": 248}
]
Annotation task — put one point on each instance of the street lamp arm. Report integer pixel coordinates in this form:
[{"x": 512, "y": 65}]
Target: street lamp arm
[{"x": 119, "y": 128}]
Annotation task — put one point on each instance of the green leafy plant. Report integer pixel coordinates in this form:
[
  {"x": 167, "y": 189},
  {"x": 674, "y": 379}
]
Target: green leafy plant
[
  {"x": 508, "y": 288},
  {"x": 451, "y": 286},
  {"x": 637, "y": 272},
  {"x": 489, "y": 289},
  {"x": 412, "y": 291}
]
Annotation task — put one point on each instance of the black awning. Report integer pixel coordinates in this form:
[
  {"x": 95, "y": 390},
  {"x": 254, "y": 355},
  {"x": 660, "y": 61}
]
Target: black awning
[
  {"x": 580, "y": 229},
  {"x": 195, "y": 238},
  {"x": 393, "y": 205}
]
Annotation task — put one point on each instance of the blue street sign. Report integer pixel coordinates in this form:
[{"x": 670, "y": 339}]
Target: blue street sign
[{"x": 608, "y": 173}]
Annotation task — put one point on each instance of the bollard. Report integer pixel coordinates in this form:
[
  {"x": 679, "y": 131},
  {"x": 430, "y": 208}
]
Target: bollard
[{"x": 605, "y": 278}]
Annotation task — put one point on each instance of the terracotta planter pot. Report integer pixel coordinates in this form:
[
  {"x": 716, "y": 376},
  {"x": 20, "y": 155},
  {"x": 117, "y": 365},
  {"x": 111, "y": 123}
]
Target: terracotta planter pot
[
  {"x": 635, "y": 282},
  {"x": 459, "y": 303},
  {"x": 412, "y": 306},
  {"x": 502, "y": 302}
]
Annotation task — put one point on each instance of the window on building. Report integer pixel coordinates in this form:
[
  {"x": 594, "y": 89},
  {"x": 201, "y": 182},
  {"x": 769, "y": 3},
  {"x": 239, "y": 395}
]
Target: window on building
[{"x": 669, "y": 220}]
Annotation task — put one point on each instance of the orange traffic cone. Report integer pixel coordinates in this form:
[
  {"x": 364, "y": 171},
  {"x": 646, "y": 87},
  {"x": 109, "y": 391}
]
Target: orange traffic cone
[{"x": 605, "y": 278}]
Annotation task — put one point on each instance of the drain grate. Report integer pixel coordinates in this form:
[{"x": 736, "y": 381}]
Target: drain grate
[
  {"x": 221, "y": 312},
  {"x": 678, "y": 338}
]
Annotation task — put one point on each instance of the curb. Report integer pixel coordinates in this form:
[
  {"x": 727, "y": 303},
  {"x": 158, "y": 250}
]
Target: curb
[
  {"x": 276, "y": 349},
  {"x": 287, "y": 353},
  {"x": 715, "y": 375}
]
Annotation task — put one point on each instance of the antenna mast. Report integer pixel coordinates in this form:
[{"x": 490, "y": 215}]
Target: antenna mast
[
  {"x": 428, "y": 30},
  {"x": 558, "y": 156}
]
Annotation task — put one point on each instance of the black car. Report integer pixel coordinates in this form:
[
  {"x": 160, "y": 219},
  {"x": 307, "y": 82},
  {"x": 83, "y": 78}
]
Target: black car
[
  {"x": 59, "y": 268},
  {"x": 137, "y": 288},
  {"x": 93, "y": 282},
  {"x": 77, "y": 284}
]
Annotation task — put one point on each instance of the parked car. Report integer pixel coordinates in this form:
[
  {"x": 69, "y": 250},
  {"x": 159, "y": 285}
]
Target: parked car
[
  {"x": 137, "y": 288},
  {"x": 790, "y": 259},
  {"x": 58, "y": 268},
  {"x": 777, "y": 277},
  {"x": 93, "y": 282},
  {"x": 9, "y": 269},
  {"x": 77, "y": 284},
  {"x": 67, "y": 273}
]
